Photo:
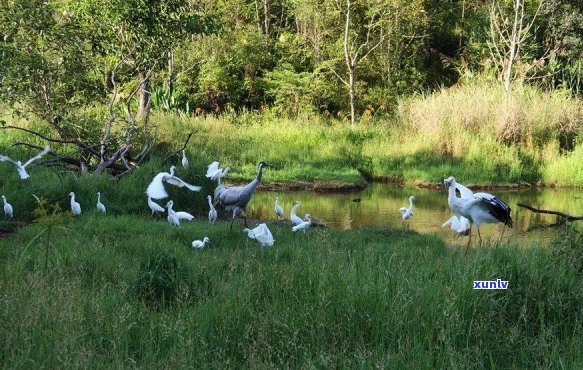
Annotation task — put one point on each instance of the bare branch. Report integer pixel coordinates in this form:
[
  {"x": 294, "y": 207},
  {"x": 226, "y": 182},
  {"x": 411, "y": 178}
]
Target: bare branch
[
  {"x": 181, "y": 149},
  {"x": 557, "y": 213}
]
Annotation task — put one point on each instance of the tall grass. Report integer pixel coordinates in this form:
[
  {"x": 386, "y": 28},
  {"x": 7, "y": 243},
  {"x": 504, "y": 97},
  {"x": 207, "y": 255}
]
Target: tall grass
[
  {"x": 474, "y": 131},
  {"x": 130, "y": 292}
]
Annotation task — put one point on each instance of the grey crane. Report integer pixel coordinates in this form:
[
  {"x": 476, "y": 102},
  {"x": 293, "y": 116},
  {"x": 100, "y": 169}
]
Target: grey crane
[{"x": 237, "y": 197}]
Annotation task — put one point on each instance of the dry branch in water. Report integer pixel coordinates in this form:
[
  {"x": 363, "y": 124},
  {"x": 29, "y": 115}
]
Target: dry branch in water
[{"x": 557, "y": 213}]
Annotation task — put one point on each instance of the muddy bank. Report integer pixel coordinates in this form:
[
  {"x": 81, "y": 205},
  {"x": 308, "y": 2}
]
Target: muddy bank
[
  {"x": 517, "y": 186},
  {"x": 318, "y": 186}
]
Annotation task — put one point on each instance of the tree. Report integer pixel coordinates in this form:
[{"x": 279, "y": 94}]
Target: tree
[
  {"x": 509, "y": 37},
  {"x": 357, "y": 47}
]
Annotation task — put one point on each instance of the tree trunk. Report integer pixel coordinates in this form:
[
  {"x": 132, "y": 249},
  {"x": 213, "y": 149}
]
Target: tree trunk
[
  {"x": 352, "y": 96},
  {"x": 144, "y": 104},
  {"x": 171, "y": 71}
]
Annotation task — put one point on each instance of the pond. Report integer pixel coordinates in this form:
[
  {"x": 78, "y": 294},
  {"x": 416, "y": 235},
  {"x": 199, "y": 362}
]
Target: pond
[{"x": 379, "y": 207}]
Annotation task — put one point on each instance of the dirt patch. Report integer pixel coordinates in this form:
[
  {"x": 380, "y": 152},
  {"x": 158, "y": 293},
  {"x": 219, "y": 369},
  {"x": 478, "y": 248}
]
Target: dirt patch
[
  {"x": 318, "y": 186},
  {"x": 394, "y": 180}
]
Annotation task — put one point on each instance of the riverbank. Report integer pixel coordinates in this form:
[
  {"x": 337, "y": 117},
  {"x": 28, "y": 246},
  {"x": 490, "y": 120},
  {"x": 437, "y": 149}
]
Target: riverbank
[{"x": 117, "y": 291}]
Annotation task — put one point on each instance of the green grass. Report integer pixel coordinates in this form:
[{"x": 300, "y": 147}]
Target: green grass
[{"x": 125, "y": 291}]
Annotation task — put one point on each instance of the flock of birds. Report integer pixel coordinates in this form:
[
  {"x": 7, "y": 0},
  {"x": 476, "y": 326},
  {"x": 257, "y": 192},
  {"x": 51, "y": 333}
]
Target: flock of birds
[
  {"x": 233, "y": 198},
  {"x": 469, "y": 208}
]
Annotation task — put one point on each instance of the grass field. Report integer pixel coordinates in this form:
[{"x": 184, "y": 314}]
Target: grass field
[{"x": 121, "y": 291}]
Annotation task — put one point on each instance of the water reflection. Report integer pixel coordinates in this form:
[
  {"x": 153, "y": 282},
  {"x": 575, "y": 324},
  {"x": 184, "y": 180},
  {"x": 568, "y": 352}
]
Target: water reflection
[{"x": 379, "y": 207}]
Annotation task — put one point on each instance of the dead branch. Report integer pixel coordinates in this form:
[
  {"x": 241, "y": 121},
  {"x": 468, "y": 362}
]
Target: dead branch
[
  {"x": 181, "y": 149},
  {"x": 62, "y": 141},
  {"x": 557, "y": 213}
]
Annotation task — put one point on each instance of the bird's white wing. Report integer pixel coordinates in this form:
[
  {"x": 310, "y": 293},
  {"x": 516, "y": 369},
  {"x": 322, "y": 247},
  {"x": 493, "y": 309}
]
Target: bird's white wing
[
  {"x": 263, "y": 235},
  {"x": 402, "y": 210},
  {"x": 212, "y": 168},
  {"x": 178, "y": 182},
  {"x": 4, "y": 158},
  {"x": 38, "y": 156},
  {"x": 184, "y": 216},
  {"x": 156, "y": 188},
  {"x": 449, "y": 221},
  {"x": 465, "y": 192}
]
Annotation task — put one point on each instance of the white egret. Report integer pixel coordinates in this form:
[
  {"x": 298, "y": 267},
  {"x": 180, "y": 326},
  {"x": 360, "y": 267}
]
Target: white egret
[
  {"x": 482, "y": 208},
  {"x": 262, "y": 234},
  {"x": 8, "y": 210},
  {"x": 278, "y": 209},
  {"x": 236, "y": 198},
  {"x": 100, "y": 206},
  {"x": 213, "y": 211},
  {"x": 181, "y": 215},
  {"x": 406, "y": 213},
  {"x": 21, "y": 168},
  {"x": 75, "y": 207},
  {"x": 215, "y": 173},
  {"x": 184, "y": 159},
  {"x": 156, "y": 188},
  {"x": 304, "y": 225},
  {"x": 295, "y": 220},
  {"x": 458, "y": 225},
  {"x": 155, "y": 207},
  {"x": 172, "y": 218},
  {"x": 199, "y": 244}
]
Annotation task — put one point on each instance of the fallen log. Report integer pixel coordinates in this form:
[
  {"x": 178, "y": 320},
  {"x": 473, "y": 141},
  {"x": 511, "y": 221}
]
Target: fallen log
[{"x": 550, "y": 212}]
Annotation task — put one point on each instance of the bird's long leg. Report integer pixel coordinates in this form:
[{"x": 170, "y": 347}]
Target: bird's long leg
[
  {"x": 479, "y": 236},
  {"x": 233, "y": 219},
  {"x": 245, "y": 218},
  {"x": 502, "y": 234},
  {"x": 469, "y": 240}
]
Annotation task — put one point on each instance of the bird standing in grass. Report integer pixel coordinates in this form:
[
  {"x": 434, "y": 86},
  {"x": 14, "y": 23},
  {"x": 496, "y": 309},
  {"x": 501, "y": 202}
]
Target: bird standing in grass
[
  {"x": 172, "y": 218},
  {"x": 184, "y": 159},
  {"x": 295, "y": 220},
  {"x": 199, "y": 244},
  {"x": 21, "y": 168},
  {"x": 262, "y": 234},
  {"x": 215, "y": 173},
  {"x": 155, "y": 207},
  {"x": 100, "y": 206},
  {"x": 304, "y": 225},
  {"x": 407, "y": 213},
  {"x": 481, "y": 208},
  {"x": 8, "y": 211},
  {"x": 236, "y": 198},
  {"x": 213, "y": 211},
  {"x": 156, "y": 188},
  {"x": 278, "y": 209},
  {"x": 180, "y": 215},
  {"x": 75, "y": 206}
]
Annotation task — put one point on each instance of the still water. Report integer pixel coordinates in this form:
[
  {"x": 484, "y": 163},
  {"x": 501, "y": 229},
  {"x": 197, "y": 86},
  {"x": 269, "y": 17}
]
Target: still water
[{"x": 379, "y": 207}]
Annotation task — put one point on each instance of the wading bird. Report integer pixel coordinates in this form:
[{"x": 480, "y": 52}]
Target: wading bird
[
  {"x": 482, "y": 208},
  {"x": 304, "y": 225},
  {"x": 295, "y": 220},
  {"x": 278, "y": 209},
  {"x": 155, "y": 207},
  {"x": 262, "y": 234},
  {"x": 156, "y": 188},
  {"x": 236, "y": 198},
  {"x": 458, "y": 225},
  {"x": 21, "y": 168},
  {"x": 215, "y": 173},
  {"x": 199, "y": 244},
  {"x": 184, "y": 159},
  {"x": 173, "y": 220},
  {"x": 8, "y": 211},
  {"x": 100, "y": 206},
  {"x": 181, "y": 215},
  {"x": 213, "y": 211},
  {"x": 406, "y": 213},
  {"x": 75, "y": 207}
]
